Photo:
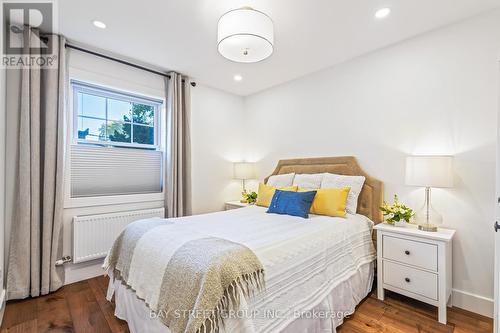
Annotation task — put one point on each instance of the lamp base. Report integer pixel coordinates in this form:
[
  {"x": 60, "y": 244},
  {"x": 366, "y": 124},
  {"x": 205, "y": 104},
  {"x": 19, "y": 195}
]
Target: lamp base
[
  {"x": 243, "y": 193},
  {"x": 427, "y": 217},
  {"x": 428, "y": 227}
]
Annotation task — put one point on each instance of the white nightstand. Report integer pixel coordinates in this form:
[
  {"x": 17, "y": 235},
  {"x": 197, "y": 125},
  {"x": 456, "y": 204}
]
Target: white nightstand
[
  {"x": 415, "y": 263},
  {"x": 235, "y": 204}
]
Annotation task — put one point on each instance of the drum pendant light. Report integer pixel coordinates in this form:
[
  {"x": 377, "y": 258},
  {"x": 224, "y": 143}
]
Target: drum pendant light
[{"x": 245, "y": 35}]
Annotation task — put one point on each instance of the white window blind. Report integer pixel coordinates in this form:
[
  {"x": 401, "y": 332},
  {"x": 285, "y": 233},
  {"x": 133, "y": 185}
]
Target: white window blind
[{"x": 101, "y": 171}]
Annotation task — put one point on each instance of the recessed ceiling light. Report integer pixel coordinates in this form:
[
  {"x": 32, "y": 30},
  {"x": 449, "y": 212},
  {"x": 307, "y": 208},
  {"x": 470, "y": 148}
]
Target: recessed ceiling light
[
  {"x": 382, "y": 13},
  {"x": 238, "y": 77},
  {"x": 99, "y": 24}
]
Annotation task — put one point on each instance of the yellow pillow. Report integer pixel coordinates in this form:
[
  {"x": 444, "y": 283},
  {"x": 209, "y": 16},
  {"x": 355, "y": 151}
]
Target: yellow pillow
[
  {"x": 266, "y": 193},
  {"x": 329, "y": 201}
]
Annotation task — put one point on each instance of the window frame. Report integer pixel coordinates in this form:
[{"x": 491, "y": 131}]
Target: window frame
[
  {"x": 112, "y": 83},
  {"x": 104, "y": 92}
]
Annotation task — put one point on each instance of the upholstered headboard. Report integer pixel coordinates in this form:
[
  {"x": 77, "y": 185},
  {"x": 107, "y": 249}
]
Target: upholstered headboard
[{"x": 371, "y": 196}]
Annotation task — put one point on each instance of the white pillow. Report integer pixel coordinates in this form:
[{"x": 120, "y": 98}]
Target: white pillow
[
  {"x": 331, "y": 180},
  {"x": 281, "y": 180},
  {"x": 308, "y": 181}
]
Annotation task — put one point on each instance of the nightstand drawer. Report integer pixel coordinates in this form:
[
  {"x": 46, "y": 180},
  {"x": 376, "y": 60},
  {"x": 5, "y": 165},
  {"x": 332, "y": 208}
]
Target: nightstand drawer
[
  {"x": 411, "y": 279},
  {"x": 423, "y": 255}
]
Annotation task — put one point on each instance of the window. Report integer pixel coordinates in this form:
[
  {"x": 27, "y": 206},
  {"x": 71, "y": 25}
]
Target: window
[
  {"x": 107, "y": 125},
  {"x": 112, "y": 118}
]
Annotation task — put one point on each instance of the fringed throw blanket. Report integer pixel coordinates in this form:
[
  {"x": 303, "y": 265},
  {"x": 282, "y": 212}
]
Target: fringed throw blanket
[{"x": 188, "y": 279}]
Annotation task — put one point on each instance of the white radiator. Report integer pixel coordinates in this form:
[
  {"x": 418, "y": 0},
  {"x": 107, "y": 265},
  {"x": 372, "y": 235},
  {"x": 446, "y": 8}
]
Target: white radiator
[{"x": 93, "y": 235}]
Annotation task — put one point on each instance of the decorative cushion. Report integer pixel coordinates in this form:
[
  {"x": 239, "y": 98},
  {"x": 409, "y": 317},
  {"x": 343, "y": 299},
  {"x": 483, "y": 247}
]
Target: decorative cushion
[
  {"x": 281, "y": 180},
  {"x": 330, "y": 201},
  {"x": 292, "y": 203},
  {"x": 308, "y": 181},
  {"x": 265, "y": 193},
  {"x": 331, "y": 180}
]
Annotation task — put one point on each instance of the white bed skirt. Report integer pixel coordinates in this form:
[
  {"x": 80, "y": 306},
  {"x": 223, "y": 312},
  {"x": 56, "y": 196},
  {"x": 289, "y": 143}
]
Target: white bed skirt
[{"x": 343, "y": 299}]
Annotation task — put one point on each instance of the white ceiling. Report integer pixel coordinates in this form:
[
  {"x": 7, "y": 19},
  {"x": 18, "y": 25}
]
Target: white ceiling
[{"x": 309, "y": 34}]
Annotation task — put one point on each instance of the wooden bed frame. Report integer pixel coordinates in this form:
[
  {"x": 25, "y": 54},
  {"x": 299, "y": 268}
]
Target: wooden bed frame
[{"x": 371, "y": 196}]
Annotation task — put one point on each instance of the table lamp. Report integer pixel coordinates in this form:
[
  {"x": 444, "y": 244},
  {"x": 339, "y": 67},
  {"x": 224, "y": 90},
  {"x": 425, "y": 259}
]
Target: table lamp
[
  {"x": 244, "y": 171},
  {"x": 428, "y": 172}
]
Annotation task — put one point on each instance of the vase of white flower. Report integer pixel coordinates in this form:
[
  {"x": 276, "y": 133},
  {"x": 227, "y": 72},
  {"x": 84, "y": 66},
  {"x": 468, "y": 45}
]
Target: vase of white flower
[
  {"x": 397, "y": 214},
  {"x": 400, "y": 223}
]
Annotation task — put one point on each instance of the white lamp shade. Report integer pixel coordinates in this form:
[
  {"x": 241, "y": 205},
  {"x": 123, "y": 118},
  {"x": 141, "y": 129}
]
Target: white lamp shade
[
  {"x": 245, "y": 35},
  {"x": 429, "y": 171},
  {"x": 244, "y": 170}
]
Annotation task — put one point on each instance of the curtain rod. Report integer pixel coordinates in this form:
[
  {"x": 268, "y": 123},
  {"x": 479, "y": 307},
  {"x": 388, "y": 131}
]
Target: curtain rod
[{"x": 97, "y": 54}]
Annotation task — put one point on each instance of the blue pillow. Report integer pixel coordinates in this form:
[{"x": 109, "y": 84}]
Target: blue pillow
[{"x": 292, "y": 203}]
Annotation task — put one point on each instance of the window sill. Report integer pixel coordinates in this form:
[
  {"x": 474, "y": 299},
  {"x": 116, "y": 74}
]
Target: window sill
[{"x": 112, "y": 200}]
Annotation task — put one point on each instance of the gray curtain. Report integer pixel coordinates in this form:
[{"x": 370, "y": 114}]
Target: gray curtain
[
  {"x": 178, "y": 150},
  {"x": 35, "y": 240}
]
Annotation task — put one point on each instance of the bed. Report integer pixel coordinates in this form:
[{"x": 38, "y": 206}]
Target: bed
[{"x": 316, "y": 270}]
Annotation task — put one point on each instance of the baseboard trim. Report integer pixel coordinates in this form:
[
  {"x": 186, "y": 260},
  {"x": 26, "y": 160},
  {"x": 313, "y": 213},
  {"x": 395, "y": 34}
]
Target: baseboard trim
[
  {"x": 473, "y": 303},
  {"x": 82, "y": 271}
]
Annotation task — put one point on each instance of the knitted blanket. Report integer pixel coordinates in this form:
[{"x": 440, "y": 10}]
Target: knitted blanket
[{"x": 188, "y": 279}]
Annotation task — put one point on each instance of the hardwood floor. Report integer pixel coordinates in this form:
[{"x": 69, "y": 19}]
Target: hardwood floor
[
  {"x": 82, "y": 307},
  {"x": 399, "y": 314},
  {"x": 78, "y": 307}
]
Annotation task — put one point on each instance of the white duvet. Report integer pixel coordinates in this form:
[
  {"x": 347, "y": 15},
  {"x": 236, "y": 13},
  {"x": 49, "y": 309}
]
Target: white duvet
[{"x": 304, "y": 259}]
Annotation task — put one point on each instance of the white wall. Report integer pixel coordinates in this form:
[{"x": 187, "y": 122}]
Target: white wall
[
  {"x": 434, "y": 94},
  {"x": 217, "y": 141},
  {"x": 215, "y": 116},
  {"x": 496, "y": 314},
  {"x": 88, "y": 68}
]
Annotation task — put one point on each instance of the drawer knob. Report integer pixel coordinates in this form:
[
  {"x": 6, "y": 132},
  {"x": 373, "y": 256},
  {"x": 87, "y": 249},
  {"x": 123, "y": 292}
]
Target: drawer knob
[
  {"x": 407, "y": 252},
  {"x": 407, "y": 280}
]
